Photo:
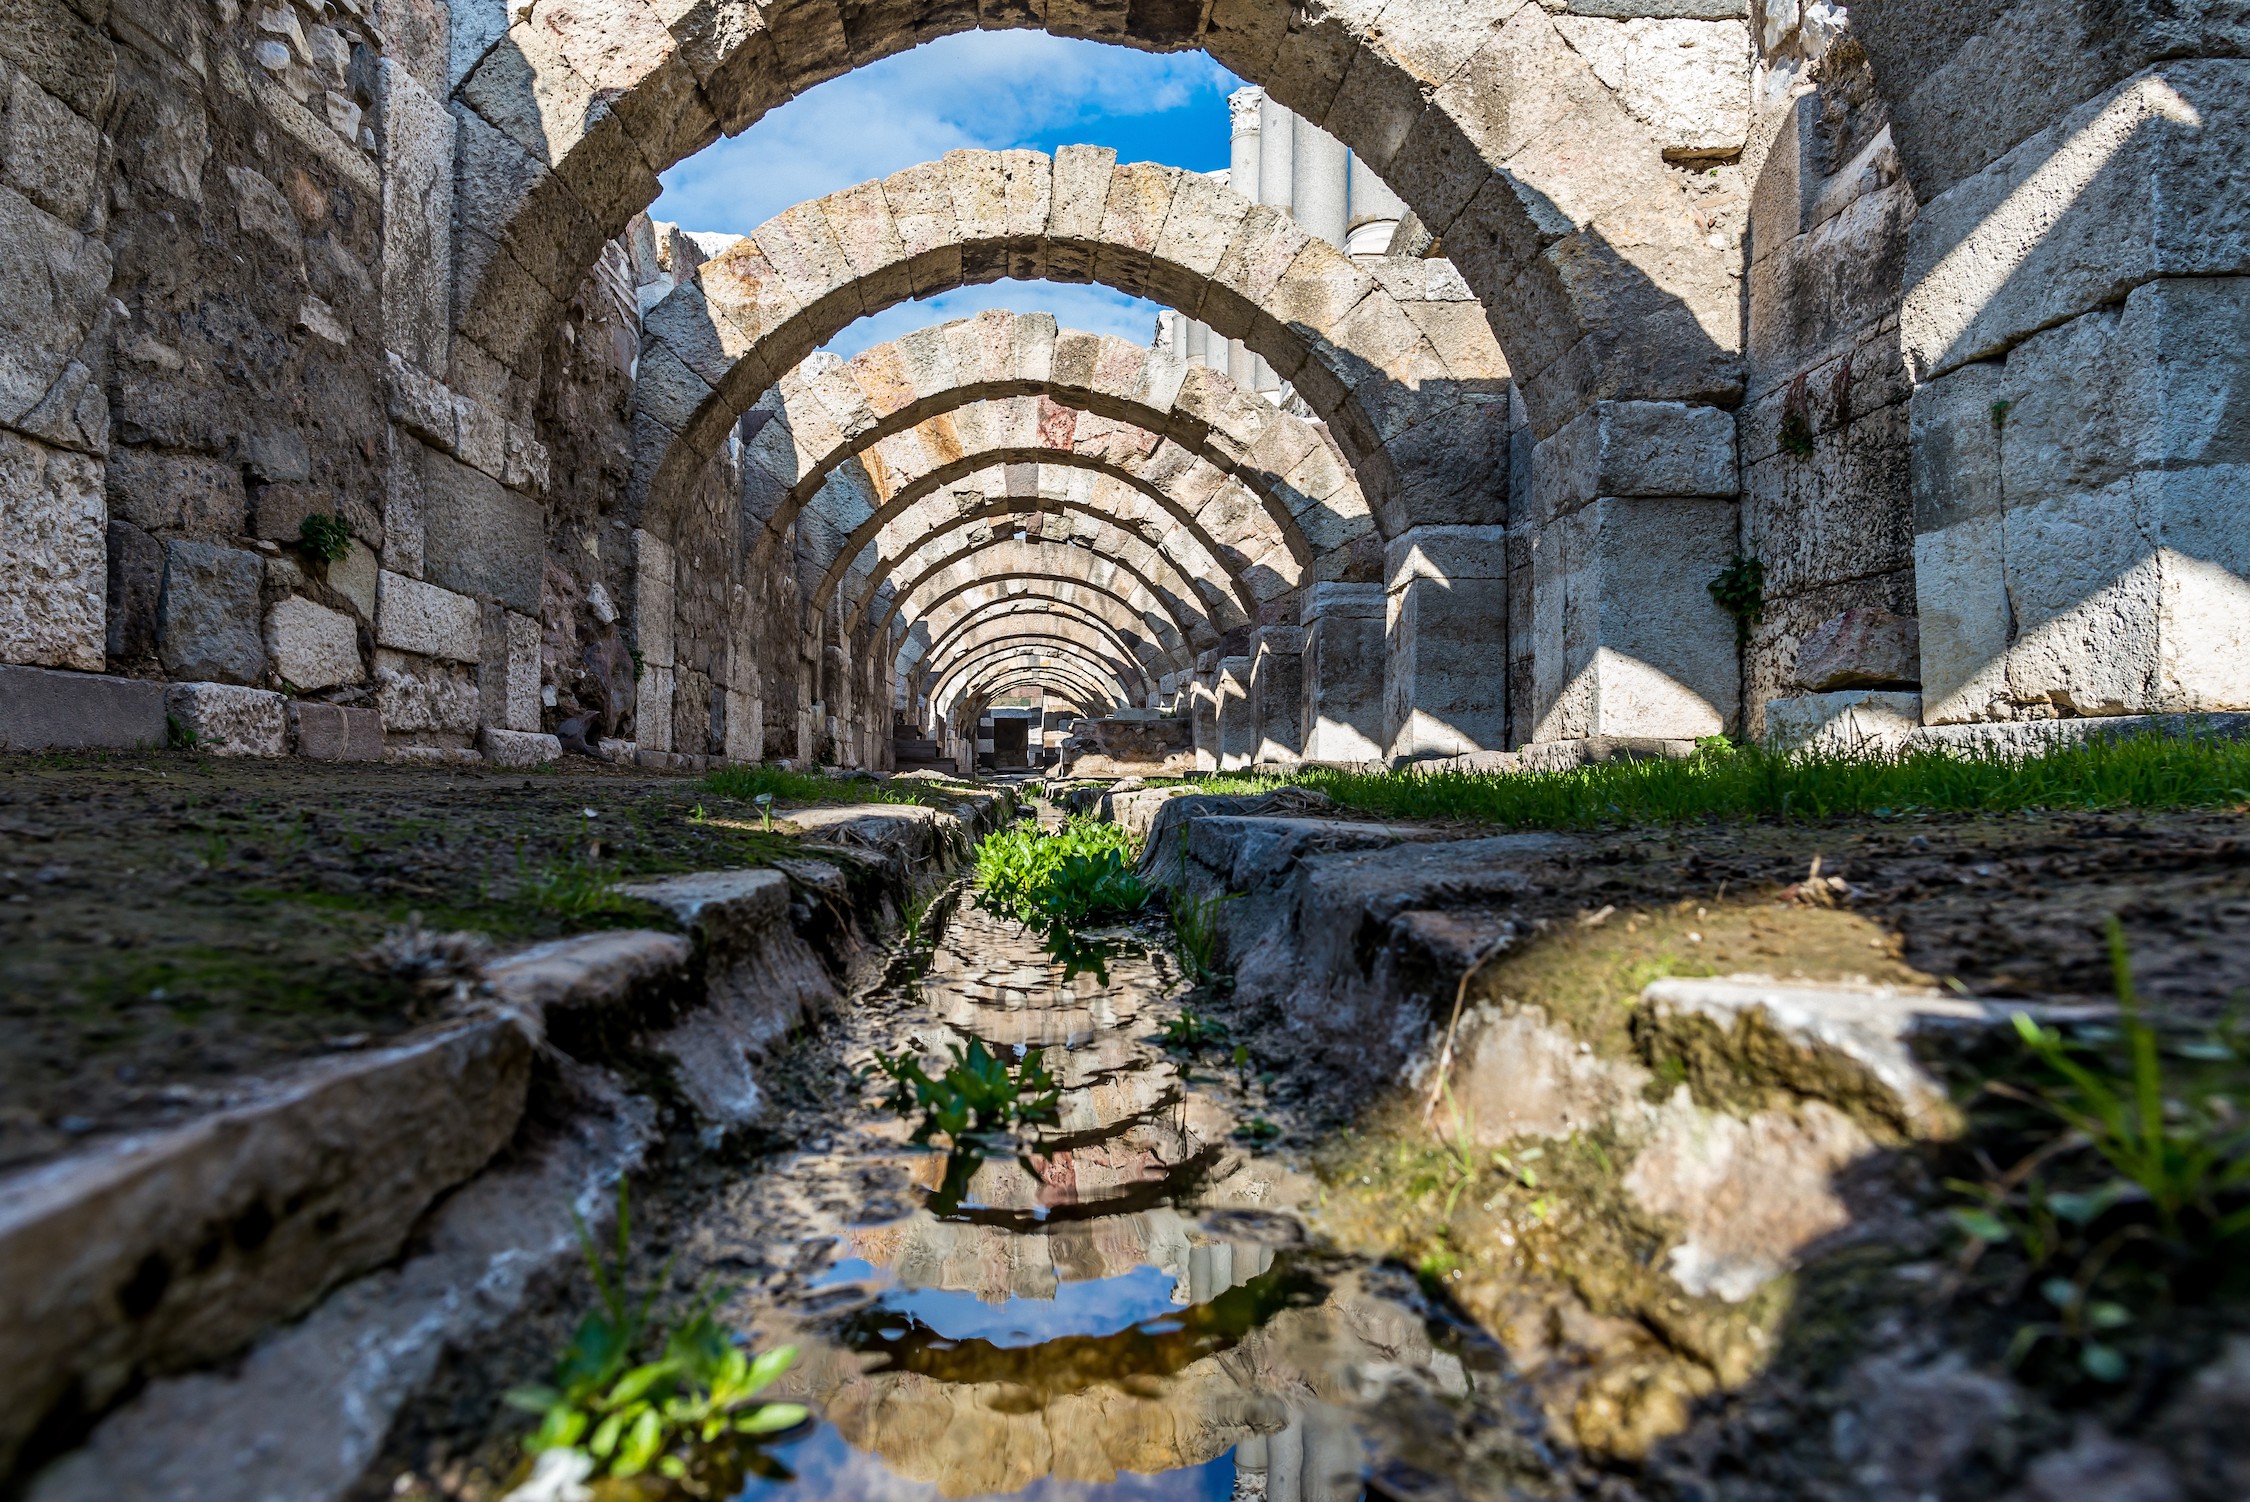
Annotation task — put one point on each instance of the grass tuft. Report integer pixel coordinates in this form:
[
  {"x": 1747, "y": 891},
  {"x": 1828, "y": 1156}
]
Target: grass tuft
[
  {"x": 1749, "y": 783},
  {"x": 748, "y": 782}
]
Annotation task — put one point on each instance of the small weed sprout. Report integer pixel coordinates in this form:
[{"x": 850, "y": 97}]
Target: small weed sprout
[
  {"x": 1192, "y": 1031},
  {"x": 2142, "y": 1200},
  {"x": 627, "y": 1412}
]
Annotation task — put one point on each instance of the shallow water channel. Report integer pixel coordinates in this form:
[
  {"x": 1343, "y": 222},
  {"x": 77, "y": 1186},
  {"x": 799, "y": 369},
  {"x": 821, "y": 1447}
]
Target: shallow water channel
[{"x": 1125, "y": 1303}]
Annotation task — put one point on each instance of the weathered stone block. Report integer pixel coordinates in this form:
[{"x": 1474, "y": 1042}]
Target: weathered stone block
[
  {"x": 209, "y": 613},
  {"x": 419, "y": 695},
  {"x": 2146, "y": 180},
  {"x": 412, "y": 616},
  {"x": 136, "y": 583},
  {"x": 313, "y": 647},
  {"x": 53, "y": 568},
  {"x": 517, "y": 748},
  {"x": 53, "y": 285},
  {"x": 417, "y": 270},
  {"x": 1628, "y": 640},
  {"x": 44, "y": 710},
  {"x": 335, "y": 732},
  {"x": 1844, "y": 722},
  {"x": 1445, "y": 688},
  {"x": 1634, "y": 449},
  {"x": 49, "y": 152},
  {"x": 1860, "y": 648},
  {"x": 1686, "y": 79},
  {"x": 353, "y": 577},
  {"x": 522, "y": 702},
  {"x": 225, "y": 719},
  {"x": 194, "y": 493},
  {"x": 479, "y": 537}
]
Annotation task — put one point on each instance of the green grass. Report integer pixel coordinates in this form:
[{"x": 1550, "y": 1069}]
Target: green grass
[
  {"x": 1748, "y": 783},
  {"x": 785, "y": 787}
]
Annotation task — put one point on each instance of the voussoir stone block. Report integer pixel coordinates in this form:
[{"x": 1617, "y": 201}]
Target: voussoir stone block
[{"x": 226, "y": 719}]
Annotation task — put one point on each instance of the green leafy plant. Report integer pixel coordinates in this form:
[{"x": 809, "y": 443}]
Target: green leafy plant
[
  {"x": 1192, "y": 1031},
  {"x": 978, "y": 1092},
  {"x": 327, "y": 538},
  {"x": 1059, "y": 880},
  {"x": 631, "y": 1415},
  {"x": 1740, "y": 589},
  {"x": 2143, "y": 1198}
]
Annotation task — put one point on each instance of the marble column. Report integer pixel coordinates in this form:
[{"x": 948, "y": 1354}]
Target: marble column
[
  {"x": 1375, "y": 213},
  {"x": 1320, "y": 185},
  {"x": 1243, "y": 112},
  {"x": 1277, "y": 158}
]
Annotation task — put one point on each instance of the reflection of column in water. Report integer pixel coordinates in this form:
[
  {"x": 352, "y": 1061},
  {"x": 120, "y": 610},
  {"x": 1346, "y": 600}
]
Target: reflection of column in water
[{"x": 1317, "y": 1458}]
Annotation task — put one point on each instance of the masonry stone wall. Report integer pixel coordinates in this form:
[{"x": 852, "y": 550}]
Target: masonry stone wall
[{"x": 338, "y": 365}]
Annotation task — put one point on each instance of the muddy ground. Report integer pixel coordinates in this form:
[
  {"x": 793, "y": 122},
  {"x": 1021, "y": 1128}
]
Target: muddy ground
[{"x": 173, "y": 923}]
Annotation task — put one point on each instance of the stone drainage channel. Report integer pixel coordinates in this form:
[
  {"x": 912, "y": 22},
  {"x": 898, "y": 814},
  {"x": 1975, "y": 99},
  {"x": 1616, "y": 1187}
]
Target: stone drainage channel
[{"x": 1121, "y": 1303}]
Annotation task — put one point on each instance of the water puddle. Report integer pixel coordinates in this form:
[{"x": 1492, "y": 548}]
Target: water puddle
[{"x": 1119, "y": 1303}]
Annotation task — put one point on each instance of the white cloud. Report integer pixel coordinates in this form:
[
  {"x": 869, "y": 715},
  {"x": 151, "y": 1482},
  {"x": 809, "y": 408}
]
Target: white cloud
[{"x": 979, "y": 89}]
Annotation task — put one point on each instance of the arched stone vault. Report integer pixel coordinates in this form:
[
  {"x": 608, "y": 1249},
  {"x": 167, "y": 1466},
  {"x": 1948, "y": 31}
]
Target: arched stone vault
[
  {"x": 1353, "y": 349},
  {"x": 1011, "y": 567},
  {"x": 928, "y": 641},
  {"x": 970, "y": 640},
  {"x": 962, "y": 675},
  {"x": 1124, "y": 478},
  {"x": 917, "y": 402},
  {"x": 1547, "y": 190},
  {"x": 1023, "y": 599},
  {"x": 1031, "y": 592},
  {"x": 978, "y": 680},
  {"x": 973, "y": 527}
]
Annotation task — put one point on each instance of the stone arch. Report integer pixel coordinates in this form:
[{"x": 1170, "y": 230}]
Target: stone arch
[
  {"x": 1490, "y": 120},
  {"x": 972, "y": 638},
  {"x": 1353, "y": 349},
  {"x": 1104, "y": 613},
  {"x": 1265, "y": 579},
  {"x": 964, "y": 672},
  {"x": 907, "y": 406},
  {"x": 992, "y": 571},
  {"x": 977, "y": 680},
  {"x": 975, "y": 528}
]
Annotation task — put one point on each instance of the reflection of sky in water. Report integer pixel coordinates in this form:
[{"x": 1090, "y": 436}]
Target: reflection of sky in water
[
  {"x": 1099, "y": 1306},
  {"x": 827, "y": 1466}
]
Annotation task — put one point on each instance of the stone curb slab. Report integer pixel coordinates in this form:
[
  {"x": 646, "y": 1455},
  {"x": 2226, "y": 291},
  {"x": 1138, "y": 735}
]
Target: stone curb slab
[
  {"x": 42, "y": 709},
  {"x": 161, "y": 1251}
]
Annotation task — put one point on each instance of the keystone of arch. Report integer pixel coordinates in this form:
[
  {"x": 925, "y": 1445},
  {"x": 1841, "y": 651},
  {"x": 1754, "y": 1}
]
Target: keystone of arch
[
  {"x": 976, "y": 530},
  {"x": 900, "y": 406},
  {"x": 1352, "y": 349},
  {"x": 1552, "y": 198}
]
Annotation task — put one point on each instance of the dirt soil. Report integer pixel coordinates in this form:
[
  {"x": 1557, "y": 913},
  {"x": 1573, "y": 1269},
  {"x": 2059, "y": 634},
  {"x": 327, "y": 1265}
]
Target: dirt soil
[{"x": 175, "y": 923}]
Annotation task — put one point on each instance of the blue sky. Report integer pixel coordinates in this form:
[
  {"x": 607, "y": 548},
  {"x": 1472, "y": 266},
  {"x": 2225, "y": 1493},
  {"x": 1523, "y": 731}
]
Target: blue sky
[{"x": 982, "y": 88}]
